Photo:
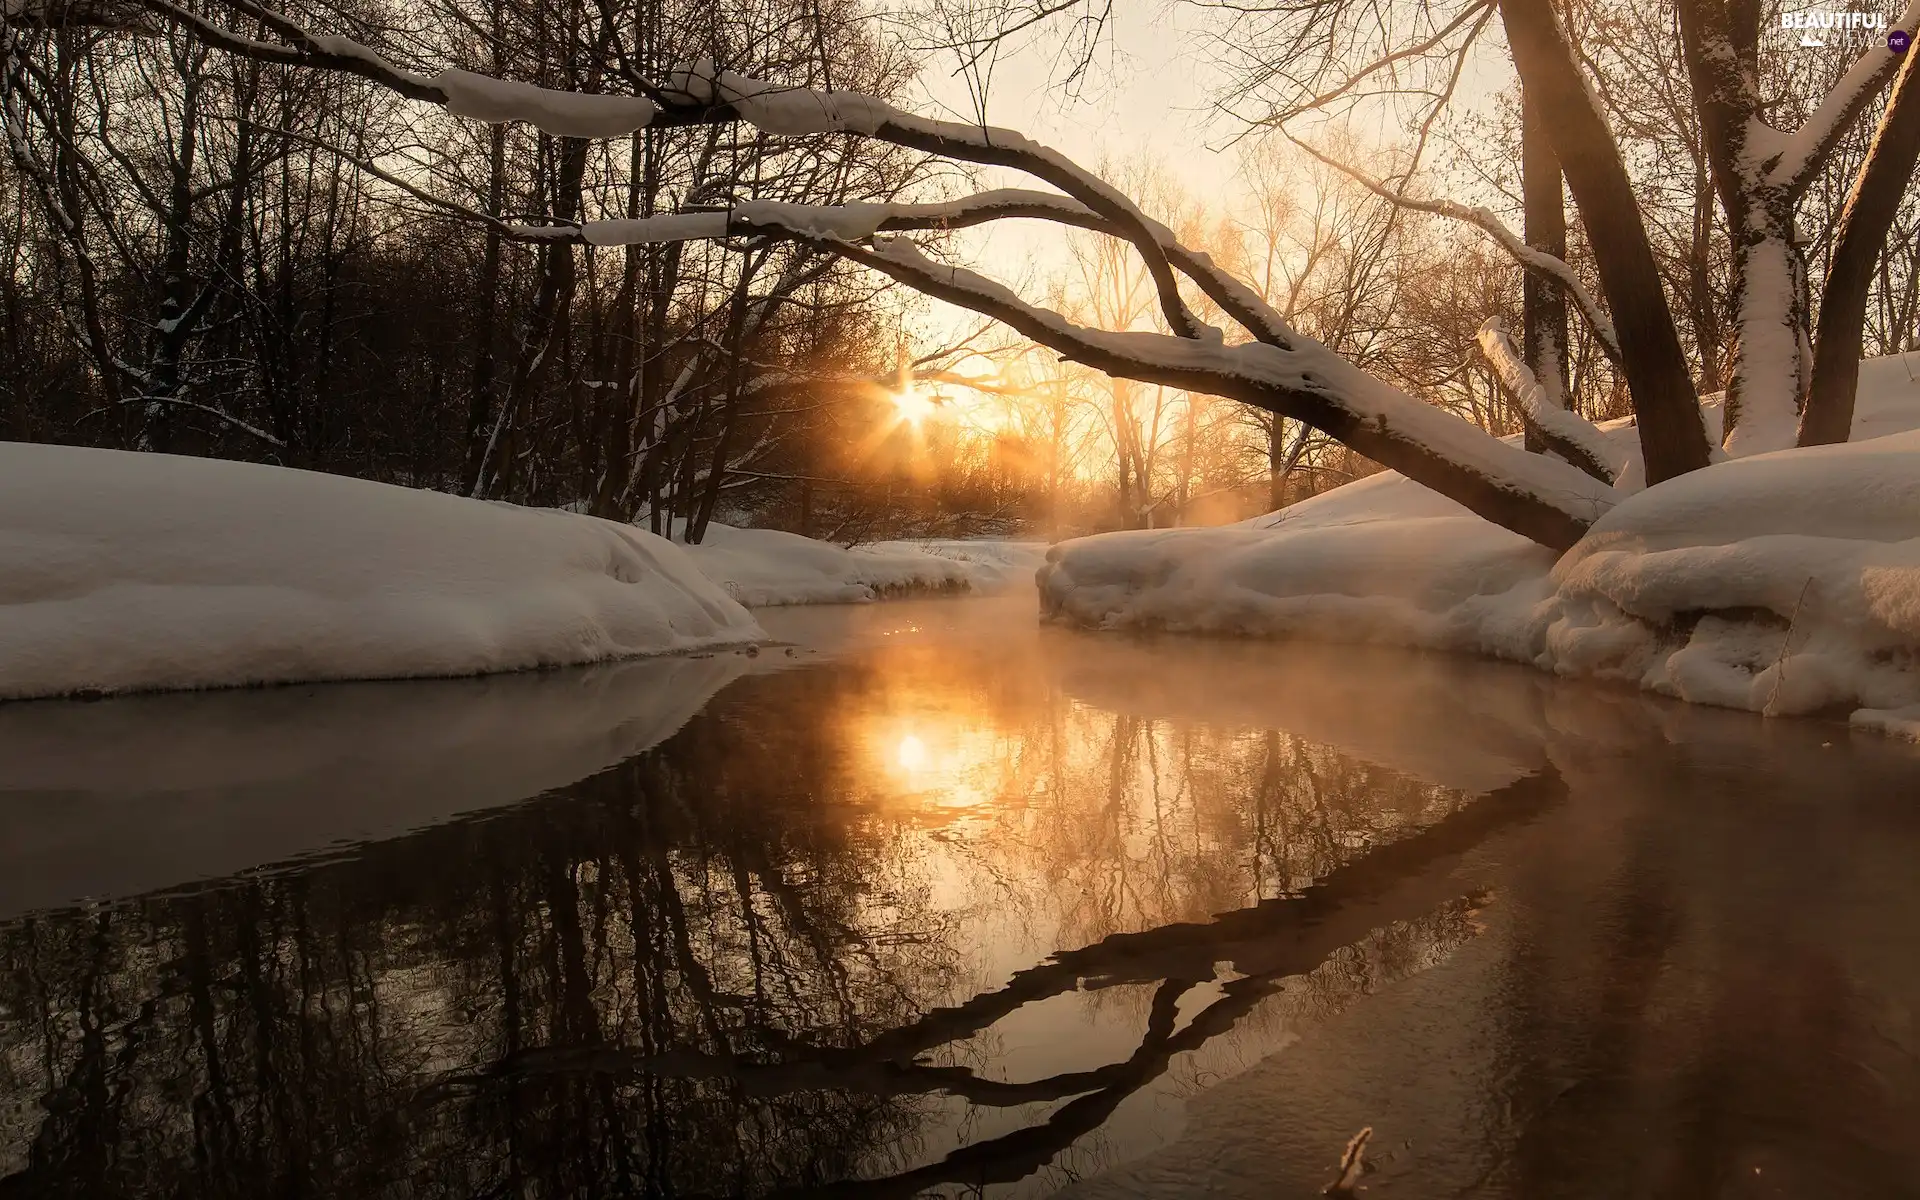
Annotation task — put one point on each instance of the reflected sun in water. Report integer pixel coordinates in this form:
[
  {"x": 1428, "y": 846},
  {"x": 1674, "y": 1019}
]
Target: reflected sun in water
[
  {"x": 911, "y": 754},
  {"x": 933, "y": 760}
]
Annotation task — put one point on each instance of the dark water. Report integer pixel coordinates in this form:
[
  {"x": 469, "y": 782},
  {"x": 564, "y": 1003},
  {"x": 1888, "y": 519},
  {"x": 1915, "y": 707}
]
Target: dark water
[{"x": 943, "y": 903}]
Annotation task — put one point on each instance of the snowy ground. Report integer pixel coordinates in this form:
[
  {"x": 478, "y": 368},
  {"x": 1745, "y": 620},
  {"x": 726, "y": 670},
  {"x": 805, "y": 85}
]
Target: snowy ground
[
  {"x": 1785, "y": 583},
  {"x": 128, "y": 572},
  {"x": 763, "y": 568}
]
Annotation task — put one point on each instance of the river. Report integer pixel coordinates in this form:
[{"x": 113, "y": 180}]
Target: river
[{"x": 930, "y": 900}]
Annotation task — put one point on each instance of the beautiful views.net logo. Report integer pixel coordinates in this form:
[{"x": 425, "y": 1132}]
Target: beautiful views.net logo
[{"x": 1820, "y": 27}]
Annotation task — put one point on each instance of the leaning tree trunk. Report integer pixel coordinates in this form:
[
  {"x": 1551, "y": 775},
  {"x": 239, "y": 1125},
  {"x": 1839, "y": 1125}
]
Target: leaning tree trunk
[
  {"x": 1673, "y": 439},
  {"x": 1869, "y": 214}
]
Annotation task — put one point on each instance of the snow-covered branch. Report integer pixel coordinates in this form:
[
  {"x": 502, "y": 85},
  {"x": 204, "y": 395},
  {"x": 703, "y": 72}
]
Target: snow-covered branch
[
  {"x": 858, "y": 221},
  {"x": 463, "y": 93},
  {"x": 704, "y": 94},
  {"x": 1540, "y": 497},
  {"x": 1566, "y": 433},
  {"x": 1803, "y": 152},
  {"x": 1537, "y": 261}
]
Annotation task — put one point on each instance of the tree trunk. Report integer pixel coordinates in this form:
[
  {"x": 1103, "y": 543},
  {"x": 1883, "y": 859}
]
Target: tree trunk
[
  {"x": 1673, "y": 439},
  {"x": 1720, "y": 42},
  {"x": 480, "y": 401},
  {"x": 1543, "y": 304},
  {"x": 1869, "y": 214},
  {"x": 1276, "y": 455}
]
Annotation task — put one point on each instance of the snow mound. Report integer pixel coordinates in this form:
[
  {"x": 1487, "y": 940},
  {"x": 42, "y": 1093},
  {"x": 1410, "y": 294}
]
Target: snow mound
[
  {"x": 129, "y": 572},
  {"x": 1379, "y": 560},
  {"x": 1785, "y": 583},
  {"x": 992, "y": 564},
  {"x": 764, "y": 568}
]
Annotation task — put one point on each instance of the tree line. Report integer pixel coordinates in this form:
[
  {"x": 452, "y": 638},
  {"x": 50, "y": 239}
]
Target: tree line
[{"x": 216, "y": 255}]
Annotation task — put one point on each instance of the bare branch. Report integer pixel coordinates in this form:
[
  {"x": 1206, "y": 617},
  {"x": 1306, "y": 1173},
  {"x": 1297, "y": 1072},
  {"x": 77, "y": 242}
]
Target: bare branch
[
  {"x": 1537, "y": 261},
  {"x": 180, "y": 402},
  {"x": 1354, "y": 80}
]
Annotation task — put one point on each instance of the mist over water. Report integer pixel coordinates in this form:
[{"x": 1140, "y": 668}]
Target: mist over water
[{"x": 943, "y": 901}]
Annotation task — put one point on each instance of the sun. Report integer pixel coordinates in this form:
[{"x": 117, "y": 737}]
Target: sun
[
  {"x": 911, "y": 754},
  {"x": 913, "y": 406}
]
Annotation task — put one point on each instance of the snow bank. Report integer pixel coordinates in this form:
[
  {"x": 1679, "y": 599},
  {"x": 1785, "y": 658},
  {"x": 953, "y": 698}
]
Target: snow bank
[
  {"x": 763, "y": 568},
  {"x": 127, "y": 572},
  {"x": 1785, "y": 583},
  {"x": 1379, "y": 560}
]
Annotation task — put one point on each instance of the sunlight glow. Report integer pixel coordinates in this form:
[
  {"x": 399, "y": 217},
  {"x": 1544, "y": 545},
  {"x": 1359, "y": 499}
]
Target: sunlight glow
[
  {"x": 913, "y": 406},
  {"x": 911, "y": 754}
]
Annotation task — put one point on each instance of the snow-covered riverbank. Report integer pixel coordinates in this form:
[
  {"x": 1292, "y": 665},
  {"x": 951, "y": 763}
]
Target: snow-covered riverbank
[
  {"x": 130, "y": 572},
  {"x": 1786, "y": 583},
  {"x": 764, "y": 568},
  {"x": 124, "y": 572}
]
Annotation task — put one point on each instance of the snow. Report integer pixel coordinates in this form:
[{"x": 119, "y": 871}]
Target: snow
[
  {"x": 1379, "y": 560},
  {"x": 128, "y": 572},
  {"x": 764, "y": 568},
  {"x": 1785, "y": 583},
  {"x": 667, "y": 227},
  {"x": 1772, "y": 360},
  {"x": 562, "y": 114}
]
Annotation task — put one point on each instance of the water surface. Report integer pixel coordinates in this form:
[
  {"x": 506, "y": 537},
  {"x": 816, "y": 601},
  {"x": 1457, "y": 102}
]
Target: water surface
[{"x": 939, "y": 902}]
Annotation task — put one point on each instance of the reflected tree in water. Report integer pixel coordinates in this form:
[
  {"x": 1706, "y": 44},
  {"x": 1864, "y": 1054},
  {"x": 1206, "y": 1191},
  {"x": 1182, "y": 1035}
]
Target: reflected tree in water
[{"x": 738, "y": 964}]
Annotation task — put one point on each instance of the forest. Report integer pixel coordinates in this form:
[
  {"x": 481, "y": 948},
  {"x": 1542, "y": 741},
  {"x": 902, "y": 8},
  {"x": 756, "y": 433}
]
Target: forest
[{"x": 236, "y": 256}]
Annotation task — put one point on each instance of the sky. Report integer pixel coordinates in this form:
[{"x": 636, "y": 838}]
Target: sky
[
  {"x": 1151, "y": 90},
  {"x": 1149, "y": 94}
]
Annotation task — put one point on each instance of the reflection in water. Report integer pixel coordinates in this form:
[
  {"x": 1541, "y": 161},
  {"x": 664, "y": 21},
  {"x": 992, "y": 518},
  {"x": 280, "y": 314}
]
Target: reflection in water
[{"x": 995, "y": 907}]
